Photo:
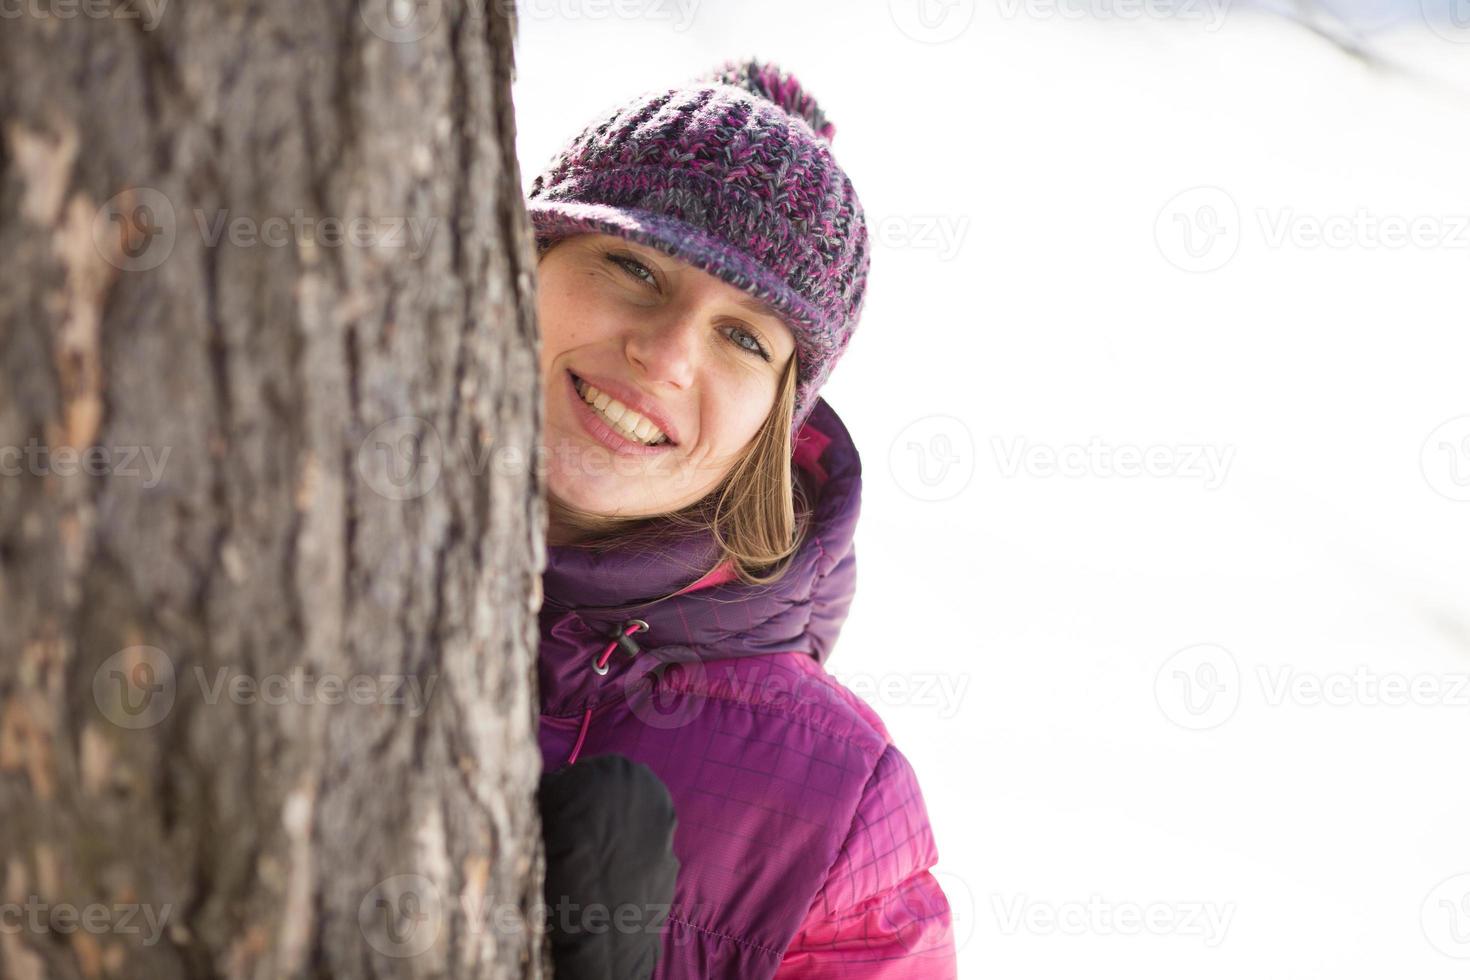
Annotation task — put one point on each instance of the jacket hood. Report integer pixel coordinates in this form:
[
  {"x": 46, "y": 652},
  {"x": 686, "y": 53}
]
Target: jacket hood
[{"x": 590, "y": 597}]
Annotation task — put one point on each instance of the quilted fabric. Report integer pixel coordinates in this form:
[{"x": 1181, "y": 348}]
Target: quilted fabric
[{"x": 803, "y": 840}]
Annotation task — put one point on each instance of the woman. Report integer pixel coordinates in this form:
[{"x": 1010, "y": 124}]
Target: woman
[{"x": 702, "y": 264}]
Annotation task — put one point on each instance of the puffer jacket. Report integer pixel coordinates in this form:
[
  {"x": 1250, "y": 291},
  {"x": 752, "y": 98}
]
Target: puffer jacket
[{"x": 803, "y": 842}]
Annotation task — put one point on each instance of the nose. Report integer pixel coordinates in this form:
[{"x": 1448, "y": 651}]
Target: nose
[{"x": 666, "y": 347}]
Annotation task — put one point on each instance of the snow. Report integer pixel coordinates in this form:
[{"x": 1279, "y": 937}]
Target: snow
[{"x": 1108, "y": 477}]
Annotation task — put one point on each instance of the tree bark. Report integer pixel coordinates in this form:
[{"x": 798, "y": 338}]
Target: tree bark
[{"x": 270, "y": 533}]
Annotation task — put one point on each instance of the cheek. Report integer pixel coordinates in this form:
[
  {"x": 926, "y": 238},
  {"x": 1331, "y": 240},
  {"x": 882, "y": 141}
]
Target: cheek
[
  {"x": 741, "y": 409},
  {"x": 570, "y": 316}
]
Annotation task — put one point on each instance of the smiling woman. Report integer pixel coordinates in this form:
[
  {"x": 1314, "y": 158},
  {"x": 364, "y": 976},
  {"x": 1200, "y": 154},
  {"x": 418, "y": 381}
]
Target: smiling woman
[
  {"x": 702, "y": 261},
  {"x": 669, "y": 395}
]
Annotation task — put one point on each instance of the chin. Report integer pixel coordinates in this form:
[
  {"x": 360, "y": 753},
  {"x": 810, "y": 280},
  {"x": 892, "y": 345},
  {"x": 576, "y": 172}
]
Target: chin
[{"x": 591, "y": 496}]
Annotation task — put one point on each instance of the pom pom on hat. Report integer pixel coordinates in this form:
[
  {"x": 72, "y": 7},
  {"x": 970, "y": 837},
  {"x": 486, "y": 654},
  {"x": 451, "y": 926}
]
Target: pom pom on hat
[{"x": 766, "y": 79}]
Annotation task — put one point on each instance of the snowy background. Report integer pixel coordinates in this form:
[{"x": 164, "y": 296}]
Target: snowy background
[{"x": 1163, "y": 396}]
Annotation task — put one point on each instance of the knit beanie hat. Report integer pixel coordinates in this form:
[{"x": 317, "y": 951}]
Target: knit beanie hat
[{"x": 732, "y": 173}]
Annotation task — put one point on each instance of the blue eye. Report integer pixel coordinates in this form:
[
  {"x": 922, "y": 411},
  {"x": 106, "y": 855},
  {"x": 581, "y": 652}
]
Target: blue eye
[
  {"x": 631, "y": 264},
  {"x": 633, "y": 267},
  {"x": 759, "y": 349}
]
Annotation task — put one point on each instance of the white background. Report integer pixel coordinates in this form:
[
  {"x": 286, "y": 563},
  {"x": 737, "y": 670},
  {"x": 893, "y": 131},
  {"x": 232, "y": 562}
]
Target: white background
[{"x": 1033, "y": 289}]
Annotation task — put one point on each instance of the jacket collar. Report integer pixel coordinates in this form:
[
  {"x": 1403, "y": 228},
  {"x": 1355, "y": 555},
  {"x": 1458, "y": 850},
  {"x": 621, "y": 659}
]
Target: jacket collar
[{"x": 588, "y": 596}]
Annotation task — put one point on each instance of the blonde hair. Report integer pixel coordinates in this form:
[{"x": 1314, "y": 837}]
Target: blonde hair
[{"x": 758, "y": 514}]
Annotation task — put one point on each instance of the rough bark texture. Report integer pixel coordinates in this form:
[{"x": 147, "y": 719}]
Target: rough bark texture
[{"x": 300, "y": 457}]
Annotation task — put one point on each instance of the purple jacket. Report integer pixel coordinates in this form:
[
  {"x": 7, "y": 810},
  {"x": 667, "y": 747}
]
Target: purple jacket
[{"x": 803, "y": 840}]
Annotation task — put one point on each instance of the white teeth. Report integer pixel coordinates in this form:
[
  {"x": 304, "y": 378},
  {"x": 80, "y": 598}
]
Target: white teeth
[{"x": 622, "y": 418}]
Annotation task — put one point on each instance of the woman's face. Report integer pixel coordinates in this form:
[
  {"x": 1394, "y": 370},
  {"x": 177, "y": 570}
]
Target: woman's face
[{"x": 697, "y": 358}]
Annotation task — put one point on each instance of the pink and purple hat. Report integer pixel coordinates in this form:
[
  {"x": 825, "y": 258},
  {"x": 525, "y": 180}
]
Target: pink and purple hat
[{"x": 732, "y": 173}]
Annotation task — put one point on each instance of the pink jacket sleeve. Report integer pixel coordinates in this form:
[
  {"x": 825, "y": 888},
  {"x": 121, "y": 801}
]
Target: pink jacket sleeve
[{"x": 881, "y": 914}]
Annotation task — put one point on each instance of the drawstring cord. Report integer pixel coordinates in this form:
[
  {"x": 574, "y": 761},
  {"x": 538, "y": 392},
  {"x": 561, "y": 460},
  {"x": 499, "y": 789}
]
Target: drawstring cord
[{"x": 624, "y": 639}]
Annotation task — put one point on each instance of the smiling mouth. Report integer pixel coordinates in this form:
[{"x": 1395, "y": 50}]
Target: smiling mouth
[{"x": 622, "y": 418}]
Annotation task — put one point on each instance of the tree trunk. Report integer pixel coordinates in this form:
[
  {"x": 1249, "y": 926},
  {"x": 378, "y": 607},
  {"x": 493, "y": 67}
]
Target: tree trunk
[{"x": 270, "y": 532}]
